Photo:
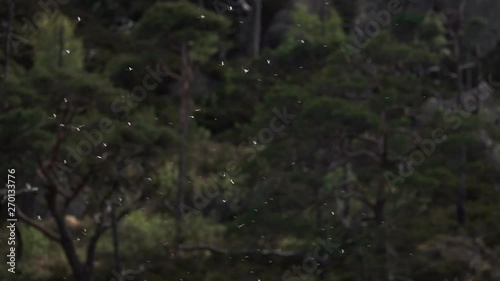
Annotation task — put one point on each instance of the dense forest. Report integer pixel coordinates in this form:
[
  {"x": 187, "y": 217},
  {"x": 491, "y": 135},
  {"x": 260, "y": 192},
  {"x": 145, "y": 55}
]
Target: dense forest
[{"x": 253, "y": 140}]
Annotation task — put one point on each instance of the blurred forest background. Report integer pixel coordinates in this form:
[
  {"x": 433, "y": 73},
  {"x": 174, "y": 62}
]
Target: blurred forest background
[{"x": 255, "y": 140}]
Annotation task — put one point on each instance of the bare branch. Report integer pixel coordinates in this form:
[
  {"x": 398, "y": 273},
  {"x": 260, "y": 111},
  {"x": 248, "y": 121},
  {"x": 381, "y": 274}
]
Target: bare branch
[
  {"x": 42, "y": 228},
  {"x": 130, "y": 207},
  {"x": 78, "y": 189},
  {"x": 44, "y": 174}
]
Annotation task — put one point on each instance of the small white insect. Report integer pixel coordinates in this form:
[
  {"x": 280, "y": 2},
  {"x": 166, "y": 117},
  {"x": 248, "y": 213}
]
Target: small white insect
[{"x": 245, "y": 70}]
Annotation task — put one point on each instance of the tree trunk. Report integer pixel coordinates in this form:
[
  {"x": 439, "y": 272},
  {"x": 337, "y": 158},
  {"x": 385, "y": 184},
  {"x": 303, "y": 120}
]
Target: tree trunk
[
  {"x": 61, "y": 46},
  {"x": 257, "y": 27},
  {"x": 116, "y": 246},
  {"x": 362, "y": 265},
  {"x": 79, "y": 270},
  {"x": 8, "y": 38},
  {"x": 461, "y": 213},
  {"x": 322, "y": 16},
  {"x": 185, "y": 110},
  {"x": 460, "y": 202}
]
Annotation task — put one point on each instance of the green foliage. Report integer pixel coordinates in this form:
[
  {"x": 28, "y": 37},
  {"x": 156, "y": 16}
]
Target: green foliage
[
  {"x": 145, "y": 232},
  {"x": 340, "y": 114},
  {"x": 181, "y": 23},
  {"x": 57, "y": 47},
  {"x": 284, "y": 148},
  {"x": 309, "y": 31}
]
